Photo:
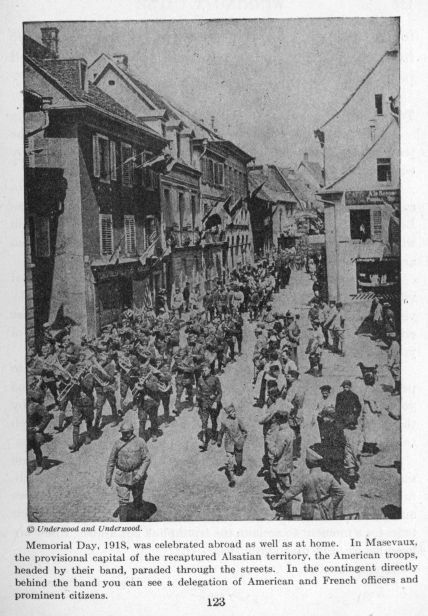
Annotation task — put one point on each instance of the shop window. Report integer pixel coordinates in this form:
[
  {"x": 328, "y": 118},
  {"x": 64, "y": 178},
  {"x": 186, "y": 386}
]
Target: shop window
[
  {"x": 360, "y": 224},
  {"x": 378, "y": 104},
  {"x": 106, "y": 234},
  {"x": 383, "y": 169},
  {"x": 130, "y": 235}
]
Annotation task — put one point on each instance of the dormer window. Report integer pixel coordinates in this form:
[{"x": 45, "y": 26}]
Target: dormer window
[
  {"x": 379, "y": 104},
  {"x": 111, "y": 82}
]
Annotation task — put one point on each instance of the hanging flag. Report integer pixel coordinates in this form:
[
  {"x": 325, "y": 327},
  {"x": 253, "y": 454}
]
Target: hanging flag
[
  {"x": 150, "y": 250},
  {"x": 320, "y": 135},
  {"x": 147, "y": 296},
  {"x": 256, "y": 190},
  {"x": 237, "y": 206}
]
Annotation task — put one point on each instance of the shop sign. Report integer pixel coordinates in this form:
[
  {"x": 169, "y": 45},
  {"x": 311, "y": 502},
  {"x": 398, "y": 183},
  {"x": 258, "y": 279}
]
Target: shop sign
[{"x": 372, "y": 197}]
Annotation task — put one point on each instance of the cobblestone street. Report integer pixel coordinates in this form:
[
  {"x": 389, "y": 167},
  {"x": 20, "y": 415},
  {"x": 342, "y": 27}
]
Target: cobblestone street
[{"x": 184, "y": 483}]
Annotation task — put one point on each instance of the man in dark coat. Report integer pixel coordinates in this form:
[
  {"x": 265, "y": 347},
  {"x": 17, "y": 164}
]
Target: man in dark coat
[{"x": 348, "y": 406}]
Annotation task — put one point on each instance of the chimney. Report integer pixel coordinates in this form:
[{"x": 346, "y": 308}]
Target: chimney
[
  {"x": 50, "y": 39},
  {"x": 212, "y": 122},
  {"x": 306, "y": 157},
  {"x": 122, "y": 60}
]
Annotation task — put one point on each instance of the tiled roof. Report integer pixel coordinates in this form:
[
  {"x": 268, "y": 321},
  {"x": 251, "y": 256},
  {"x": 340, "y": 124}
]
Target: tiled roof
[
  {"x": 157, "y": 100},
  {"x": 297, "y": 184},
  {"x": 35, "y": 49},
  {"x": 315, "y": 169},
  {"x": 272, "y": 188},
  {"x": 66, "y": 73}
]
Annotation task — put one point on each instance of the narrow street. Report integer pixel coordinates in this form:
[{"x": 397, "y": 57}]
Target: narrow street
[{"x": 186, "y": 484}]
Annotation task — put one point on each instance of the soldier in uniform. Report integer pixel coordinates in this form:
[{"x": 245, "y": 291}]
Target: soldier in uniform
[
  {"x": 129, "y": 367},
  {"x": 322, "y": 495},
  {"x": 147, "y": 399},
  {"x": 131, "y": 459},
  {"x": 208, "y": 395},
  {"x": 296, "y": 397},
  {"x": 105, "y": 385},
  {"x": 37, "y": 421},
  {"x": 184, "y": 379},
  {"x": 81, "y": 396},
  {"x": 235, "y": 433},
  {"x": 165, "y": 380}
]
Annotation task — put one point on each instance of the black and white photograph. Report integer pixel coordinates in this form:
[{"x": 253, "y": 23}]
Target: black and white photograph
[{"x": 212, "y": 269}]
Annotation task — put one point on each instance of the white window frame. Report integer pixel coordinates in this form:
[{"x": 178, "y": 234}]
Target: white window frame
[
  {"x": 130, "y": 234},
  {"x": 130, "y": 179},
  {"x": 106, "y": 217}
]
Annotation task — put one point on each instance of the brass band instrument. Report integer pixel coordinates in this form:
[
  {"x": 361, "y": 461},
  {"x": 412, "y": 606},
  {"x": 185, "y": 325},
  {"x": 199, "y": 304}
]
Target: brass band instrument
[
  {"x": 73, "y": 382},
  {"x": 102, "y": 382},
  {"x": 139, "y": 385}
]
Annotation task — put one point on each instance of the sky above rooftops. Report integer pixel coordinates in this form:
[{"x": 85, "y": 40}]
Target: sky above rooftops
[{"x": 269, "y": 83}]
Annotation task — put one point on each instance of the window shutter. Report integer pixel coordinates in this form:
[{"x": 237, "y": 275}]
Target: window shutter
[
  {"x": 96, "y": 156},
  {"x": 377, "y": 224},
  {"x": 106, "y": 233},
  {"x": 130, "y": 234},
  {"x": 133, "y": 166},
  {"x": 113, "y": 164},
  {"x": 220, "y": 174}
]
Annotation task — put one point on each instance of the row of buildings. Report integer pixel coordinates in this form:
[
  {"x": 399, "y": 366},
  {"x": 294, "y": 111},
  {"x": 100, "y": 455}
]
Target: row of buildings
[{"x": 125, "y": 193}]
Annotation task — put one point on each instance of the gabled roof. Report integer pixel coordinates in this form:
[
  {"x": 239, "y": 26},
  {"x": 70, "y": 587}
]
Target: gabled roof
[
  {"x": 35, "y": 49},
  {"x": 391, "y": 52},
  {"x": 65, "y": 74},
  {"x": 314, "y": 169},
  {"x": 175, "y": 112},
  {"x": 297, "y": 184},
  {"x": 273, "y": 188},
  {"x": 354, "y": 166}
]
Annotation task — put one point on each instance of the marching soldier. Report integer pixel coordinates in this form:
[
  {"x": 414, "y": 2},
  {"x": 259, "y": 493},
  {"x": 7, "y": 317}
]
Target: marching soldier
[
  {"x": 37, "y": 421},
  {"x": 165, "y": 380},
  {"x": 147, "y": 399},
  {"x": 81, "y": 396},
  {"x": 129, "y": 367},
  {"x": 235, "y": 433},
  {"x": 131, "y": 459},
  {"x": 184, "y": 379},
  {"x": 208, "y": 395},
  {"x": 104, "y": 372},
  {"x": 322, "y": 495}
]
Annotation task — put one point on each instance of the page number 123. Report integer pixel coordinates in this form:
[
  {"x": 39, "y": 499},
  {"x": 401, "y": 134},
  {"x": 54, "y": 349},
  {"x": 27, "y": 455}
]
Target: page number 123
[{"x": 216, "y": 602}]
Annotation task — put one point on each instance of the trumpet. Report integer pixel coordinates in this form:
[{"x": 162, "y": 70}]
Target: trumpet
[
  {"x": 100, "y": 375},
  {"x": 73, "y": 382}
]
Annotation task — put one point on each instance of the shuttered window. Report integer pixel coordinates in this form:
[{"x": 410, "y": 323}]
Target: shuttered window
[
  {"x": 113, "y": 163},
  {"x": 130, "y": 237},
  {"x": 101, "y": 157},
  {"x": 127, "y": 165},
  {"x": 377, "y": 224},
  {"x": 106, "y": 234}
]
